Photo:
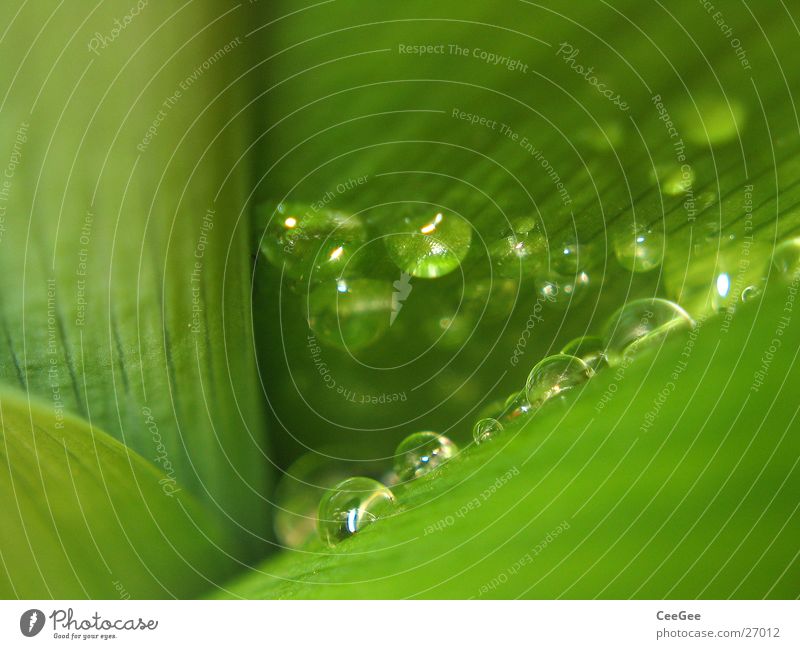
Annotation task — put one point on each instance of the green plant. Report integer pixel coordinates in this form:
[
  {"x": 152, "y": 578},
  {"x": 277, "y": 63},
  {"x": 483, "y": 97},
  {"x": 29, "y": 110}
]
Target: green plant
[{"x": 142, "y": 329}]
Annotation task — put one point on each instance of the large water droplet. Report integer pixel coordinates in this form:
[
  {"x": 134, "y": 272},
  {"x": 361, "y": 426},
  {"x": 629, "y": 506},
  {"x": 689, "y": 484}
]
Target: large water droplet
[
  {"x": 428, "y": 243},
  {"x": 590, "y": 349},
  {"x": 486, "y": 429},
  {"x": 297, "y": 498},
  {"x": 639, "y": 248},
  {"x": 310, "y": 245},
  {"x": 554, "y": 376},
  {"x": 350, "y": 314},
  {"x": 421, "y": 453},
  {"x": 642, "y": 323},
  {"x": 300, "y": 489},
  {"x": 350, "y": 506}
]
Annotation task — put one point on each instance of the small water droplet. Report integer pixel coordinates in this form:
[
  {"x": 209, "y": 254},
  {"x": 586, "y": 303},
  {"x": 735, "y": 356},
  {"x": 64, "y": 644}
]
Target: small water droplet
[
  {"x": 421, "y": 453},
  {"x": 350, "y": 314},
  {"x": 751, "y": 293},
  {"x": 605, "y": 137},
  {"x": 642, "y": 323},
  {"x": 350, "y": 506},
  {"x": 519, "y": 254},
  {"x": 675, "y": 179},
  {"x": 639, "y": 248},
  {"x": 569, "y": 256},
  {"x": 428, "y": 243},
  {"x": 451, "y": 330},
  {"x": 561, "y": 291},
  {"x": 486, "y": 429},
  {"x": 554, "y": 376},
  {"x": 310, "y": 245},
  {"x": 590, "y": 349}
]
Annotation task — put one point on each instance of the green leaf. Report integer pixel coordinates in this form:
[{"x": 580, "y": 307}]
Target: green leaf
[
  {"x": 124, "y": 258},
  {"x": 345, "y": 97},
  {"x": 699, "y": 504},
  {"x": 86, "y": 517},
  {"x": 674, "y": 478}
]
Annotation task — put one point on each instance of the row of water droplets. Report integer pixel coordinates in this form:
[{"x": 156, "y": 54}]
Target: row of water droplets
[
  {"x": 355, "y": 502},
  {"x": 329, "y": 258},
  {"x": 353, "y": 270},
  {"x": 358, "y": 501},
  {"x": 315, "y": 249}
]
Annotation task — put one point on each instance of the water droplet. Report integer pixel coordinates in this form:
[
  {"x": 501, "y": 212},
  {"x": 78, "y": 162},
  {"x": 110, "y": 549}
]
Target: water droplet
[
  {"x": 516, "y": 407},
  {"x": 590, "y": 349},
  {"x": 554, "y": 376},
  {"x": 641, "y": 323},
  {"x": 786, "y": 259},
  {"x": 300, "y": 489},
  {"x": 310, "y": 245},
  {"x": 350, "y": 314},
  {"x": 351, "y": 505},
  {"x": 568, "y": 256},
  {"x": 421, "y": 453},
  {"x": 751, "y": 293},
  {"x": 451, "y": 330},
  {"x": 561, "y": 291},
  {"x": 639, "y": 248},
  {"x": 675, "y": 179},
  {"x": 429, "y": 244},
  {"x": 486, "y": 429},
  {"x": 605, "y": 137},
  {"x": 525, "y": 224},
  {"x": 297, "y": 497},
  {"x": 519, "y": 254},
  {"x": 713, "y": 274},
  {"x": 711, "y": 120}
]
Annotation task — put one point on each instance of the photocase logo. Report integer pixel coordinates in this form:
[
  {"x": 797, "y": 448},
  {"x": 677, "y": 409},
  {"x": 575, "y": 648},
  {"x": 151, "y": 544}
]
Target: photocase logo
[
  {"x": 402, "y": 289},
  {"x": 31, "y": 622}
]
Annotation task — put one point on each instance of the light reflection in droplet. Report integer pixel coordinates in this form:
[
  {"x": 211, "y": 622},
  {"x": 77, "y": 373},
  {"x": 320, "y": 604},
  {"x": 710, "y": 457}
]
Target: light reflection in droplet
[{"x": 723, "y": 284}]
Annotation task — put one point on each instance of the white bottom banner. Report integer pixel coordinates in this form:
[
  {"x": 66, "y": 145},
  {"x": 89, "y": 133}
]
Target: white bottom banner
[{"x": 388, "y": 624}]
